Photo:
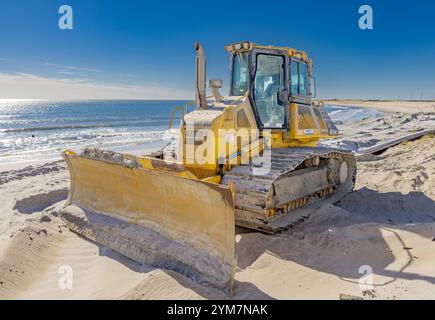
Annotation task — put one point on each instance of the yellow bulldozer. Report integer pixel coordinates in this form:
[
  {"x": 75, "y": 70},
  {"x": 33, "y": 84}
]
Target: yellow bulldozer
[{"x": 250, "y": 159}]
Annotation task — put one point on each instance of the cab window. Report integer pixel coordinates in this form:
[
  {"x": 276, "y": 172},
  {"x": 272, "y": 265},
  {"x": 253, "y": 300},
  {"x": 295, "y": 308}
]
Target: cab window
[
  {"x": 299, "y": 78},
  {"x": 295, "y": 77},
  {"x": 240, "y": 75},
  {"x": 303, "y": 79},
  {"x": 268, "y": 82}
]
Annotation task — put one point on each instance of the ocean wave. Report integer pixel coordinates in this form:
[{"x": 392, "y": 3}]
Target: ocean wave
[
  {"x": 80, "y": 126},
  {"x": 353, "y": 114}
]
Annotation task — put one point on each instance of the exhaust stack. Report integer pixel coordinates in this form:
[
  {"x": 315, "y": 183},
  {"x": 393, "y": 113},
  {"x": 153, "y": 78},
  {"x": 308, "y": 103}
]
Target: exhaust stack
[{"x": 200, "y": 77}]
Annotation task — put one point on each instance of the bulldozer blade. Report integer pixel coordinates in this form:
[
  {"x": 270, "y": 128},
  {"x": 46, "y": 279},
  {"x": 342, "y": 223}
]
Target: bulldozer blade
[{"x": 154, "y": 217}]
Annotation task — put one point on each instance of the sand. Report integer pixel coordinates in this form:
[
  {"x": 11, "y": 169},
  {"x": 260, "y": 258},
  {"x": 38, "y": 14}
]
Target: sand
[
  {"x": 387, "y": 225},
  {"x": 388, "y": 105}
]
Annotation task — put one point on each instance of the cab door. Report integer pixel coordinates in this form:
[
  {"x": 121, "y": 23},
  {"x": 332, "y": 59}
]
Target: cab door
[{"x": 270, "y": 89}]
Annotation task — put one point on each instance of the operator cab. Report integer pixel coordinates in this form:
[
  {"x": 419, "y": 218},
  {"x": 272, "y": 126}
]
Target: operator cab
[{"x": 272, "y": 77}]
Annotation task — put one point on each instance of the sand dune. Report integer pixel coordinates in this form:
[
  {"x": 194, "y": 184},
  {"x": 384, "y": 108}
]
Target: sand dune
[{"x": 387, "y": 224}]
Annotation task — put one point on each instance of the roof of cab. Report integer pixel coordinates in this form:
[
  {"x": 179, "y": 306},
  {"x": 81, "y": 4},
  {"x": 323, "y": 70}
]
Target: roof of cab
[{"x": 245, "y": 46}]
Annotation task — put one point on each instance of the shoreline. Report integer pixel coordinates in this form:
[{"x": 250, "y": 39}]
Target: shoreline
[
  {"x": 385, "y": 106},
  {"x": 402, "y": 106},
  {"x": 137, "y": 150},
  {"x": 393, "y": 205},
  {"x": 19, "y": 160}
]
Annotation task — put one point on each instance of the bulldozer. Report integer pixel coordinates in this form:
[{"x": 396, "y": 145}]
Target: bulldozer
[{"x": 250, "y": 159}]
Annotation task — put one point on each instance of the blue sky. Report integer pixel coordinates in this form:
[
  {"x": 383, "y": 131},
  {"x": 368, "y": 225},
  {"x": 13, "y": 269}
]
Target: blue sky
[{"x": 141, "y": 49}]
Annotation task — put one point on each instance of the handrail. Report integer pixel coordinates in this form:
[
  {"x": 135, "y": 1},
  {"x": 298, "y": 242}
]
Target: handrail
[
  {"x": 183, "y": 108},
  {"x": 172, "y": 115}
]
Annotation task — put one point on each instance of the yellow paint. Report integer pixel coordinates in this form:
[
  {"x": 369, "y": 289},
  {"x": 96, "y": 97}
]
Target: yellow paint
[
  {"x": 185, "y": 201},
  {"x": 305, "y": 131},
  {"x": 306, "y": 126},
  {"x": 292, "y": 52},
  {"x": 198, "y": 213},
  {"x": 213, "y": 179}
]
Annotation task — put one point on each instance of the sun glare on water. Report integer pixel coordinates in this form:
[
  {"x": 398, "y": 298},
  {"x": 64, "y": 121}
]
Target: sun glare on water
[{"x": 8, "y": 101}]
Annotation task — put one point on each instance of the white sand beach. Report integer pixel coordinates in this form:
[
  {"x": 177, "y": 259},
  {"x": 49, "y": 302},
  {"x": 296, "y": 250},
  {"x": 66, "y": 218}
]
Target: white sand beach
[
  {"x": 387, "y": 224},
  {"x": 401, "y": 106}
]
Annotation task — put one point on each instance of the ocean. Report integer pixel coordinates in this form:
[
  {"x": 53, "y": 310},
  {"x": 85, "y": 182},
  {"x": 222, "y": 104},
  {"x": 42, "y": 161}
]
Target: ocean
[{"x": 41, "y": 130}]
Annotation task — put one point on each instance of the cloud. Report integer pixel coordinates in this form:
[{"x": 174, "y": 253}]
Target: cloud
[
  {"x": 73, "y": 68},
  {"x": 30, "y": 86}
]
